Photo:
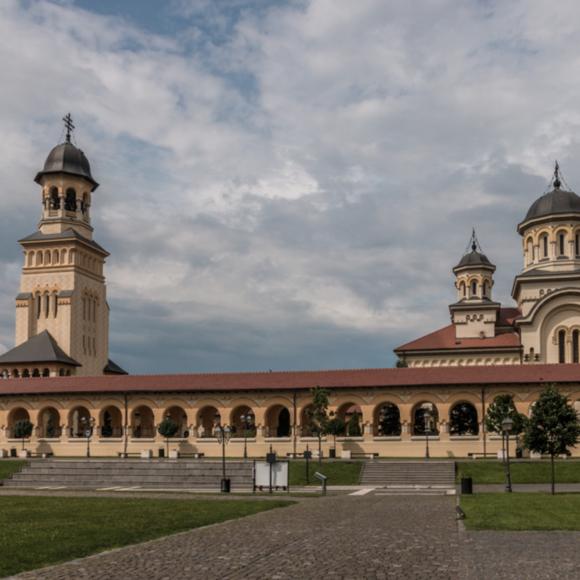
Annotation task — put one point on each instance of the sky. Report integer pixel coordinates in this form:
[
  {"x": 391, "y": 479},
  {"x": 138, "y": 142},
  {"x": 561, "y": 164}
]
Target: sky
[{"x": 287, "y": 184}]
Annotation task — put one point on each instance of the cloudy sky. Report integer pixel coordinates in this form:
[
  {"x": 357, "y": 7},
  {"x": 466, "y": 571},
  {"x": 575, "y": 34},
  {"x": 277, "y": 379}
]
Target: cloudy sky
[{"x": 287, "y": 184}]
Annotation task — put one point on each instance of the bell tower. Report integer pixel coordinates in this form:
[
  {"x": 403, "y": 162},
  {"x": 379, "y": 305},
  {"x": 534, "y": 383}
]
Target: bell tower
[
  {"x": 475, "y": 313},
  {"x": 62, "y": 316}
]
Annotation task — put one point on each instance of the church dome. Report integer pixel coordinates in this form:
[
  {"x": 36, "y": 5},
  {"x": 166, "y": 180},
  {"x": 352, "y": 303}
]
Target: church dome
[
  {"x": 557, "y": 201},
  {"x": 66, "y": 158},
  {"x": 474, "y": 259}
]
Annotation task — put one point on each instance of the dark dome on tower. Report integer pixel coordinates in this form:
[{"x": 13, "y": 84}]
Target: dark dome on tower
[
  {"x": 474, "y": 258},
  {"x": 66, "y": 158},
  {"x": 557, "y": 201}
]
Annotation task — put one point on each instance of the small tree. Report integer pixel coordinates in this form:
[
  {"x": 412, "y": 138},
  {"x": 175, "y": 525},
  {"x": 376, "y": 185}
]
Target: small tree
[
  {"x": 23, "y": 430},
  {"x": 353, "y": 426},
  {"x": 502, "y": 408},
  {"x": 318, "y": 415},
  {"x": 335, "y": 426},
  {"x": 168, "y": 428},
  {"x": 553, "y": 427}
]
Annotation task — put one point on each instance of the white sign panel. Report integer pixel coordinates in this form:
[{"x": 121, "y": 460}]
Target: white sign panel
[{"x": 279, "y": 474}]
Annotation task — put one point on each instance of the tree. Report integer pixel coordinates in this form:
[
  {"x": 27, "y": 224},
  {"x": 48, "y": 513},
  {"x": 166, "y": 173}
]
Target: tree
[
  {"x": 553, "y": 427},
  {"x": 168, "y": 428},
  {"x": 390, "y": 420},
  {"x": 353, "y": 426},
  {"x": 502, "y": 408},
  {"x": 401, "y": 364},
  {"x": 23, "y": 430},
  {"x": 463, "y": 420},
  {"x": 318, "y": 415},
  {"x": 335, "y": 426}
]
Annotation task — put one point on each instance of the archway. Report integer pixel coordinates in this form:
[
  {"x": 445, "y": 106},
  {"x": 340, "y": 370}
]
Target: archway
[
  {"x": 111, "y": 422},
  {"x": 18, "y": 414},
  {"x": 49, "y": 423},
  {"x": 278, "y": 422},
  {"x": 387, "y": 420},
  {"x": 463, "y": 419},
  {"x": 243, "y": 422},
  {"x": 425, "y": 419},
  {"x": 142, "y": 422},
  {"x": 179, "y": 417},
  {"x": 207, "y": 419},
  {"x": 351, "y": 415},
  {"x": 78, "y": 421}
]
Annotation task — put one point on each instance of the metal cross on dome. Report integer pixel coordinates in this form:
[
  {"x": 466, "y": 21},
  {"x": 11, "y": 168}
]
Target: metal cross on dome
[
  {"x": 68, "y": 123},
  {"x": 557, "y": 182}
]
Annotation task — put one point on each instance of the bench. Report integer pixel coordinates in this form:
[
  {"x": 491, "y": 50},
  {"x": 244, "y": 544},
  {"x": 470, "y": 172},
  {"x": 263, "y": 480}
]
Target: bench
[
  {"x": 44, "y": 455},
  {"x": 364, "y": 455},
  {"x": 476, "y": 455},
  {"x": 192, "y": 455},
  {"x": 132, "y": 454}
]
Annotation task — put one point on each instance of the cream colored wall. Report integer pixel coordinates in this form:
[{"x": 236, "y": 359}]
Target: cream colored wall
[
  {"x": 533, "y": 252},
  {"x": 369, "y": 401},
  {"x": 474, "y": 323}
]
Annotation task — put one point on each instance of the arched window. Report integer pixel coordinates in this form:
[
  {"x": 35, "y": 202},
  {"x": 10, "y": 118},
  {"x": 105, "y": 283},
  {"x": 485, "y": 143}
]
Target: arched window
[
  {"x": 388, "y": 420},
  {"x": 474, "y": 288},
  {"x": 25, "y": 374},
  {"x": 39, "y": 258},
  {"x": 36, "y": 373},
  {"x": 545, "y": 246},
  {"x": 55, "y": 303},
  {"x": 18, "y": 414},
  {"x": 530, "y": 250},
  {"x": 561, "y": 244},
  {"x": 462, "y": 290},
  {"x": 351, "y": 415},
  {"x": 70, "y": 200},
  {"x": 179, "y": 417},
  {"x": 485, "y": 288},
  {"x": 15, "y": 374},
  {"x": 38, "y": 305},
  {"x": 46, "y": 373},
  {"x": 425, "y": 419},
  {"x": 463, "y": 420},
  {"x": 575, "y": 353},
  {"x": 55, "y": 257},
  {"x": 562, "y": 346},
  {"x": 54, "y": 199},
  {"x": 47, "y": 257},
  {"x": 46, "y": 304}
]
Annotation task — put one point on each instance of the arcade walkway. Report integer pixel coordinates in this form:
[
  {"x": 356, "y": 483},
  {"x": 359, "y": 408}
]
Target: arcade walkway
[{"x": 340, "y": 537}]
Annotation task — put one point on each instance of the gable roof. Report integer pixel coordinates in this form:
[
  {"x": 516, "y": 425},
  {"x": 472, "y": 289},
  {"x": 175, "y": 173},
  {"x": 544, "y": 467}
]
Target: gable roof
[{"x": 41, "y": 348}]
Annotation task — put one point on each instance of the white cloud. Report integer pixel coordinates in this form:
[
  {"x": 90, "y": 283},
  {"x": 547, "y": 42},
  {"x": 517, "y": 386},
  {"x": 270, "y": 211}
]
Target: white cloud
[{"x": 314, "y": 165}]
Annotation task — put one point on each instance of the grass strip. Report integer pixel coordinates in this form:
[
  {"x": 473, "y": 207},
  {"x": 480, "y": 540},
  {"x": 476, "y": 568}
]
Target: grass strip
[{"x": 522, "y": 472}]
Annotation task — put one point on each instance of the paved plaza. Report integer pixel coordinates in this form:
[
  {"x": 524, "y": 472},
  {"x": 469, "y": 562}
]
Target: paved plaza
[{"x": 340, "y": 537}]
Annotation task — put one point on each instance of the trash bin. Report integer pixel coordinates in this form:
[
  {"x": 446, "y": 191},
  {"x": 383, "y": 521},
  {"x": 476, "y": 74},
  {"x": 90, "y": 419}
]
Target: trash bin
[
  {"x": 226, "y": 485},
  {"x": 466, "y": 486},
  {"x": 332, "y": 453},
  {"x": 161, "y": 452}
]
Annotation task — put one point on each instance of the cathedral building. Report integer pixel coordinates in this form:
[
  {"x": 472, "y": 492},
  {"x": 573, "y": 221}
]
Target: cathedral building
[
  {"x": 544, "y": 324},
  {"x": 59, "y": 377}
]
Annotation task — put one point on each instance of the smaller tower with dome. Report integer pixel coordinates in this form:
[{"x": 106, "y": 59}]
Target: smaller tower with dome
[{"x": 474, "y": 314}]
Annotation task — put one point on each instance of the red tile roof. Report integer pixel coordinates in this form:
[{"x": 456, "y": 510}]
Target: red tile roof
[
  {"x": 444, "y": 339},
  {"x": 297, "y": 380}
]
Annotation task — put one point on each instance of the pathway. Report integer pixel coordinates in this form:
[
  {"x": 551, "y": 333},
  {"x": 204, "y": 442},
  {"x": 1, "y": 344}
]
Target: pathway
[{"x": 341, "y": 537}]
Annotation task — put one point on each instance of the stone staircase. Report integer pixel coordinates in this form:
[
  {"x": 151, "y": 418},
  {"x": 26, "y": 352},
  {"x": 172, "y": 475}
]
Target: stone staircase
[
  {"x": 132, "y": 473},
  {"x": 409, "y": 474}
]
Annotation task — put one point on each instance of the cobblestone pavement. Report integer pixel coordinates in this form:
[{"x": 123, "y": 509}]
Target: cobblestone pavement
[
  {"x": 340, "y": 537},
  {"x": 336, "y": 537}
]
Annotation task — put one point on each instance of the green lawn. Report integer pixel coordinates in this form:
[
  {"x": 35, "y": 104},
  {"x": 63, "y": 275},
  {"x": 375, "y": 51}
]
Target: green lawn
[
  {"x": 527, "y": 472},
  {"x": 524, "y": 511},
  {"x": 338, "y": 472},
  {"x": 37, "y": 531},
  {"x": 9, "y": 466}
]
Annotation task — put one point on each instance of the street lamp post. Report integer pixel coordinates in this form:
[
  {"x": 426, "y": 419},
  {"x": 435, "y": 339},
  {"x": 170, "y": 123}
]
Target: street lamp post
[
  {"x": 247, "y": 422},
  {"x": 507, "y": 425},
  {"x": 223, "y": 434},
  {"x": 88, "y": 427},
  {"x": 427, "y": 418}
]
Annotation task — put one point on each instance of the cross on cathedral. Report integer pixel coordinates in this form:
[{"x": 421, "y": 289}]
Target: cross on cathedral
[
  {"x": 557, "y": 182},
  {"x": 68, "y": 123}
]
